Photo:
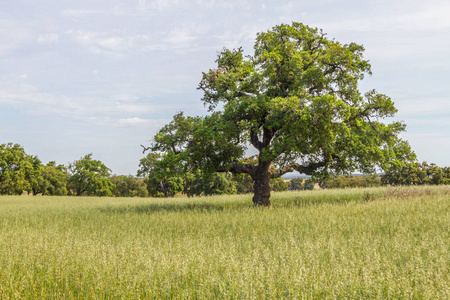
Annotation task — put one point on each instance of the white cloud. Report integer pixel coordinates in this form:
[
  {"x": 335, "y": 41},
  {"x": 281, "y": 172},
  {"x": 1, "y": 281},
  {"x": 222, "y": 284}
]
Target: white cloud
[
  {"x": 101, "y": 109},
  {"x": 97, "y": 109},
  {"x": 111, "y": 43},
  {"x": 116, "y": 44},
  {"x": 134, "y": 121},
  {"x": 80, "y": 12},
  {"x": 218, "y": 3},
  {"x": 47, "y": 39},
  {"x": 120, "y": 44},
  {"x": 422, "y": 107},
  {"x": 286, "y": 8},
  {"x": 182, "y": 38},
  {"x": 142, "y": 4},
  {"x": 13, "y": 35},
  {"x": 135, "y": 108},
  {"x": 161, "y": 5},
  {"x": 431, "y": 17},
  {"x": 232, "y": 39}
]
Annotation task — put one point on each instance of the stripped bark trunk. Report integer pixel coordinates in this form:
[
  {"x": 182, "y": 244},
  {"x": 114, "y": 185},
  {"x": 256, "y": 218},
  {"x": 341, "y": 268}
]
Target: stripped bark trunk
[{"x": 261, "y": 186}]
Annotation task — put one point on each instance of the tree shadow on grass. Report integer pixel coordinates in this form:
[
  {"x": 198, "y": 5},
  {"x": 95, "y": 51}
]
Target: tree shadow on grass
[
  {"x": 334, "y": 199},
  {"x": 173, "y": 207},
  {"x": 277, "y": 202}
]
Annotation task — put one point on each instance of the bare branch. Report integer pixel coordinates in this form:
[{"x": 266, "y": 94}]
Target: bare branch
[{"x": 145, "y": 149}]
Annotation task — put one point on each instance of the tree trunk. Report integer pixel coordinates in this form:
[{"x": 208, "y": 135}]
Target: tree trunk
[
  {"x": 163, "y": 188},
  {"x": 261, "y": 185}
]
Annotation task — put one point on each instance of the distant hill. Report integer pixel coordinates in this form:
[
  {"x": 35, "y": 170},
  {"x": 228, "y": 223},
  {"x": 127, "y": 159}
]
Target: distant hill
[{"x": 296, "y": 175}]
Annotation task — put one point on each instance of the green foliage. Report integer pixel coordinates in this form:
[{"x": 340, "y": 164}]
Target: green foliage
[
  {"x": 35, "y": 176},
  {"x": 243, "y": 183},
  {"x": 416, "y": 174},
  {"x": 89, "y": 177},
  {"x": 52, "y": 180},
  {"x": 17, "y": 169},
  {"x": 21, "y": 172},
  {"x": 296, "y": 184},
  {"x": 296, "y": 101},
  {"x": 128, "y": 186},
  {"x": 165, "y": 187},
  {"x": 162, "y": 174},
  {"x": 278, "y": 185},
  {"x": 309, "y": 184},
  {"x": 210, "y": 184}
]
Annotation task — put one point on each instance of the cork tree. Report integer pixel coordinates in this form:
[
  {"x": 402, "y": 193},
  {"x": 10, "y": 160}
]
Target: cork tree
[{"x": 297, "y": 103}]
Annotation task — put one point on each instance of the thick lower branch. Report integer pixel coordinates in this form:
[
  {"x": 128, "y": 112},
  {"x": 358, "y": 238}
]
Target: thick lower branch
[
  {"x": 302, "y": 169},
  {"x": 239, "y": 168},
  {"x": 310, "y": 168},
  {"x": 281, "y": 171}
]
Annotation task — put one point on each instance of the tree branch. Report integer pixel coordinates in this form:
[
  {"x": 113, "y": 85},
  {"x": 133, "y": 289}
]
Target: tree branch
[
  {"x": 310, "y": 168},
  {"x": 240, "y": 168},
  {"x": 281, "y": 171},
  {"x": 302, "y": 169},
  {"x": 267, "y": 137},
  {"x": 145, "y": 149},
  {"x": 255, "y": 140}
]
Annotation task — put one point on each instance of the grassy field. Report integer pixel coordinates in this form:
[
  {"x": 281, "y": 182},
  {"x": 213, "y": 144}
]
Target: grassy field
[{"x": 362, "y": 243}]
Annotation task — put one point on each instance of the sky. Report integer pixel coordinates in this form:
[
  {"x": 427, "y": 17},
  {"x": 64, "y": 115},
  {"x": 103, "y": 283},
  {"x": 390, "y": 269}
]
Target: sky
[{"x": 102, "y": 76}]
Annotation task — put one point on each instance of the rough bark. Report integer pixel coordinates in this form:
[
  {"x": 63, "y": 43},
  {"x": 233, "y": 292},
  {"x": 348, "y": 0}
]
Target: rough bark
[{"x": 261, "y": 184}]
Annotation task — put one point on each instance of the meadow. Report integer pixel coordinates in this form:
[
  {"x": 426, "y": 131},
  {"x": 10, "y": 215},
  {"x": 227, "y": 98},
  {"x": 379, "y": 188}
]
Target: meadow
[{"x": 355, "y": 243}]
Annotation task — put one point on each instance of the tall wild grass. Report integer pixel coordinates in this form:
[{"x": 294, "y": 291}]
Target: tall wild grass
[{"x": 360, "y": 243}]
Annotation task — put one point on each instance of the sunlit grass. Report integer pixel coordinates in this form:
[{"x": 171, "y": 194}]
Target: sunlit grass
[{"x": 362, "y": 243}]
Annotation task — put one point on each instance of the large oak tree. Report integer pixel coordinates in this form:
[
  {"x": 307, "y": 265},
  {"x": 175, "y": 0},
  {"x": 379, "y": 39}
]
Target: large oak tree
[{"x": 296, "y": 101}]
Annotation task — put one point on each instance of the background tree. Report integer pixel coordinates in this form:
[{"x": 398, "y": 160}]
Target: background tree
[
  {"x": 296, "y": 184},
  {"x": 278, "y": 184},
  {"x": 309, "y": 184},
  {"x": 243, "y": 183},
  {"x": 54, "y": 179},
  {"x": 161, "y": 174},
  {"x": 35, "y": 176},
  {"x": 402, "y": 173},
  {"x": 437, "y": 175},
  {"x": 296, "y": 101},
  {"x": 128, "y": 186},
  {"x": 210, "y": 184},
  {"x": 16, "y": 170},
  {"x": 415, "y": 173},
  {"x": 90, "y": 177}
]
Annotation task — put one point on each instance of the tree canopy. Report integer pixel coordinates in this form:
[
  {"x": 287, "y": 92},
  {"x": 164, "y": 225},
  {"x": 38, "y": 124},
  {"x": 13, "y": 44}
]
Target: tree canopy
[
  {"x": 296, "y": 101},
  {"x": 161, "y": 175},
  {"x": 16, "y": 169},
  {"x": 90, "y": 177}
]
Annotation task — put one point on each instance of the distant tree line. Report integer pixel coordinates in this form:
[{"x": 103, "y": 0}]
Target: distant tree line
[
  {"x": 416, "y": 173},
  {"x": 23, "y": 173},
  {"x": 158, "y": 177},
  {"x": 413, "y": 173}
]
